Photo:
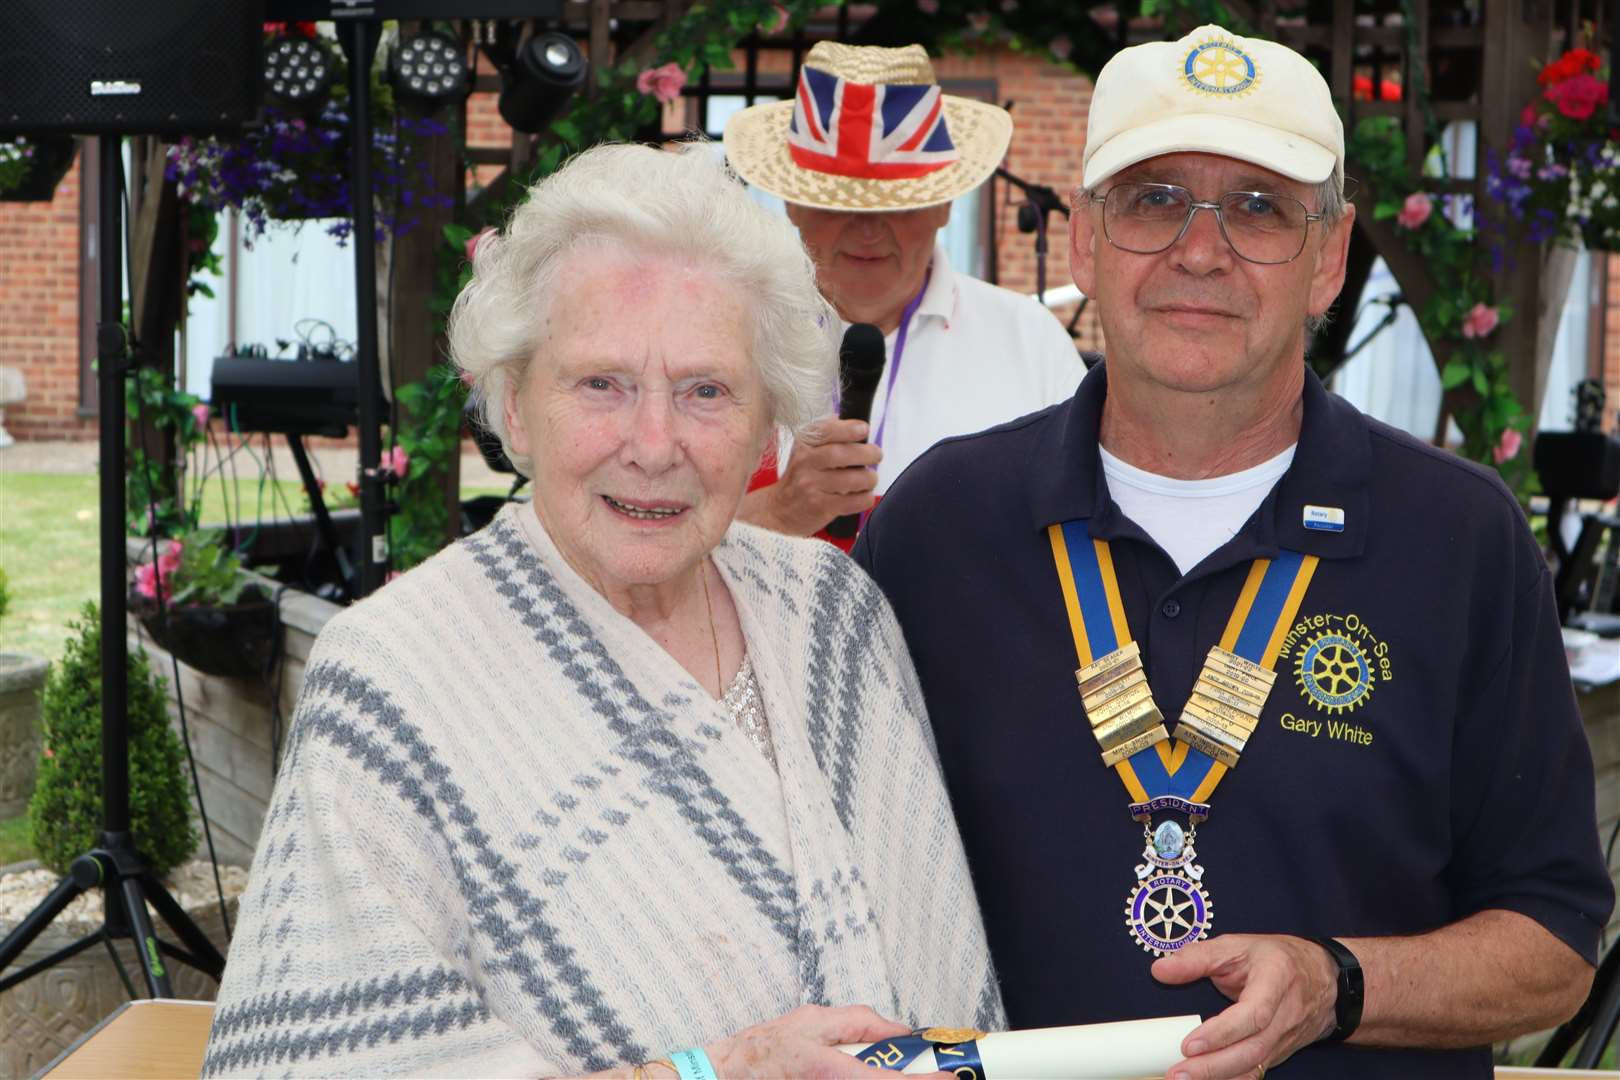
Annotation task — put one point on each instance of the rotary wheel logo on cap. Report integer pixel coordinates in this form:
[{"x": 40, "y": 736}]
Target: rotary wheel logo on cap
[{"x": 1218, "y": 66}]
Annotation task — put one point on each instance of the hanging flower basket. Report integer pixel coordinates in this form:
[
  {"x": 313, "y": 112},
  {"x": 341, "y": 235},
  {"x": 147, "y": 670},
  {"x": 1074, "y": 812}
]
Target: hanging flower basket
[
  {"x": 234, "y": 641},
  {"x": 294, "y": 168},
  {"x": 1561, "y": 173},
  {"x": 196, "y": 602},
  {"x": 30, "y": 169}
]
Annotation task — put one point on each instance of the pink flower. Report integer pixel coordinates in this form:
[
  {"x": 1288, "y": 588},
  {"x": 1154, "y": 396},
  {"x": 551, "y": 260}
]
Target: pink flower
[
  {"x": 49, "y": 752},
  {"x": 146, "y": 580},
  {"x": 1579, "y": 97},
  {"x": 1480, "y": 321},
  {"x": 663, "y": 82},
  {"x": 169, "y": 561},
  {"x": 468, "y": 380},
  {"x": 473, "y": 242},
  {"x": 199, "y": 413},
  {"x": 1528, "y": 117},
  {"x": 1507, "y": 447},
  {"x": 1061, "y": 46},
  {"x": 395, "y": 461},
  {"x": 1415, "y": 211},
  {"x": 778, "y": 23},
  {"x": 928, "y": 7}
]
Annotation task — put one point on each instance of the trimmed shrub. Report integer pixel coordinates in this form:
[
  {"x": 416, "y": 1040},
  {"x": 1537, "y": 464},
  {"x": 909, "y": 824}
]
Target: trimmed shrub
[{"x": 64, "y": 816}]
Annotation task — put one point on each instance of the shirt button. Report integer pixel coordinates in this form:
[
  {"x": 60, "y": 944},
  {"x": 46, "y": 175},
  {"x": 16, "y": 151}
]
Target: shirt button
[{"x": 1171, "y": 608}]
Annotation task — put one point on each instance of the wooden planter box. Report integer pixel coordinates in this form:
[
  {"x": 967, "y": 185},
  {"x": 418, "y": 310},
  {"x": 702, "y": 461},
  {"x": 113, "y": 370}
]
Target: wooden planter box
[{"x": 238, "y": 725}]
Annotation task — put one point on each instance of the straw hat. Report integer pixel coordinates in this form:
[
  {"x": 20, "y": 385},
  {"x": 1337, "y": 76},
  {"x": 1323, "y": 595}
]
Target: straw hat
[
  {"x": 1213, "y": 92},
  {"x": 869, "y": 129}
]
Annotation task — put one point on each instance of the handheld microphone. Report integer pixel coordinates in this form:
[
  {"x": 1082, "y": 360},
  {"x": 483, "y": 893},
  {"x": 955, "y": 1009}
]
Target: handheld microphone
[{"x": 860, "y": 366}]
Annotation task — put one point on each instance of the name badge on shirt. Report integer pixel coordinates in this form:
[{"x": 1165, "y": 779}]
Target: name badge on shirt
[{"x": 1324, "y": 518}]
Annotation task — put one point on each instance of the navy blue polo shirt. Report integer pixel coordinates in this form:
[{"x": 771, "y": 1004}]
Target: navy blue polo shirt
[{"x": 1450, "y": 775}]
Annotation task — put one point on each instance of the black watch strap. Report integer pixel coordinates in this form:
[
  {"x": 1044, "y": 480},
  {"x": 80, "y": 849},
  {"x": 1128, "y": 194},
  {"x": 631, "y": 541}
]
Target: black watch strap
[{"x": 1352, "y": 990}]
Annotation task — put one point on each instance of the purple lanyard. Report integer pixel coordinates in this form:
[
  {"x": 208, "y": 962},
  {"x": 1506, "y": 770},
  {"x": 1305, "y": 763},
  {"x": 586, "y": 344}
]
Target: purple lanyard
[{"x": 899, "y": 351}]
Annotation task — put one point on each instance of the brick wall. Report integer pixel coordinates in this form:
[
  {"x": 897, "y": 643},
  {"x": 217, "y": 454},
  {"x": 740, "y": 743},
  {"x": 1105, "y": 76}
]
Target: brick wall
[
  {"x": 1611, "y": 347},
  {"x": 39, "y": 312}
]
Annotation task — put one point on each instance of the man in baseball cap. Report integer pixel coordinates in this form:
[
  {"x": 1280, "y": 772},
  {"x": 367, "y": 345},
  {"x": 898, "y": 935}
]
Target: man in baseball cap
[
  {"x": 1324, "y": 760},
  {"x": 868, "y": 157}
]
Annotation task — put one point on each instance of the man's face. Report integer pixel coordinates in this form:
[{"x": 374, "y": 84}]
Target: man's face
[
  {"x": 870, "y": 265},
  {"x": 1196, "y": 317}
]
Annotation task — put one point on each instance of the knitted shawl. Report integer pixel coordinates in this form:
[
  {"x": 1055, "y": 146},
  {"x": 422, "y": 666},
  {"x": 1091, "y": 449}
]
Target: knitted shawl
[{"x": 512, "y": 836}]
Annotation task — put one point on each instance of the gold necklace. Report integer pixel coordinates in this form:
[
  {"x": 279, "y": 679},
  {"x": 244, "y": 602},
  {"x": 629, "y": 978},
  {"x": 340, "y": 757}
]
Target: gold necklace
[{"x": 714, "y": 638}]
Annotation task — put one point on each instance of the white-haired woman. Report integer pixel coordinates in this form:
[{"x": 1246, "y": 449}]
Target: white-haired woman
[{"x": 617, "y": 784}]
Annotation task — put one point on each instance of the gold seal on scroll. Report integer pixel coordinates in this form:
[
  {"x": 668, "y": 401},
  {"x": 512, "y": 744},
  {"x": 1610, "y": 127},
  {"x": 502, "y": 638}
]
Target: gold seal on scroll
[{"x": 951, "y": 1036}]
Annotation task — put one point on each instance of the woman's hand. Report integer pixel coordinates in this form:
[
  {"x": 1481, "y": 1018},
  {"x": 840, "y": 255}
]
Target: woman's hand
[{"x": 800, "y": 1043}]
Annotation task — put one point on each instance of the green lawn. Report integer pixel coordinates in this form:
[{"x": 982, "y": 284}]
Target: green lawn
[
  {"x": 48, "y": 549},
  {"x": 49, "y": 546},
  {"x": 14, "y": 845}
]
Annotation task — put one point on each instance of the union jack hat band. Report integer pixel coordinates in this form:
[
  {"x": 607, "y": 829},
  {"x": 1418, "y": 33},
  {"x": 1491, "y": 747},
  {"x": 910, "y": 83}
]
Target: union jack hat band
[{"x": 868, "y": 129}]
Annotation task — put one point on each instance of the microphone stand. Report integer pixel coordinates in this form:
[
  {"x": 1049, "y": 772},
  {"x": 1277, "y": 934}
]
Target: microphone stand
[{"x": 1040, "y": 202}]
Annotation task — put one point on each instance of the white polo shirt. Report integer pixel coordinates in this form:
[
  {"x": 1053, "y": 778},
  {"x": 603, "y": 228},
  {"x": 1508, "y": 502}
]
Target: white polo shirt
[{"x": 976, "y": 355}]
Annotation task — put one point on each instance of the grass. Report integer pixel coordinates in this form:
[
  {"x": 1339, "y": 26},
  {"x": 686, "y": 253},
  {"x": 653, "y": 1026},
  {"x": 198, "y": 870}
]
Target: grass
[
  {"x": 14, "y": 845},
  {"x": 49, "y": 546}
]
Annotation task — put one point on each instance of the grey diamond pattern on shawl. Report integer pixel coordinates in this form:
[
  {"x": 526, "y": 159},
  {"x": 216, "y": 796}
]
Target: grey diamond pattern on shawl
[{"x": 510, "y": 836}]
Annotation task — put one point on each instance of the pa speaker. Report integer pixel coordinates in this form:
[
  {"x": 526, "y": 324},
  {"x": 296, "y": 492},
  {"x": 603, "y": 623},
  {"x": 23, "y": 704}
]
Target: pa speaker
[
  {"x": 117, "y": 67},
  {"x": 1578, "y": 464}
]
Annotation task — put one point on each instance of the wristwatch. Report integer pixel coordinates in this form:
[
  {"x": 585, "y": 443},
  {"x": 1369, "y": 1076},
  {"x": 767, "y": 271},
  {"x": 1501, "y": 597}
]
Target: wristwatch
[{"x": 1352, "y": 990}]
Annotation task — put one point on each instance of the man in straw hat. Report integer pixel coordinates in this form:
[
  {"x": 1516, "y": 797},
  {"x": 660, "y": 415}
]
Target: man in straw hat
[
  {"x": 1250, "y": 582},
  {"x": 868, "y": 157}
]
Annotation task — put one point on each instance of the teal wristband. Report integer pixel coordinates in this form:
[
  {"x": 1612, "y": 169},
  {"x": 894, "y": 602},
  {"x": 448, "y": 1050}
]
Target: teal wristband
[{"x": 693, "y": 1064}]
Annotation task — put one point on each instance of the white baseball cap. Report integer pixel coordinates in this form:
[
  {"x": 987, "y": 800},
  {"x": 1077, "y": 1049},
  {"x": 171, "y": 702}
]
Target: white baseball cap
[{"x": 1213, "y": 92}]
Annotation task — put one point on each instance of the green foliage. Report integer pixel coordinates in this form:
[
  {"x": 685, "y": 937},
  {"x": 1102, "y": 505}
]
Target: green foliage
[
  {"x": 434, "y": 434},
  {"x": 153, "y": 502},
  {"x": 5, "y": 594},
  {"x": 65, "y": 812},
  {"x": 1486, "y": 408},
  {"x": 209, "y": 574}
]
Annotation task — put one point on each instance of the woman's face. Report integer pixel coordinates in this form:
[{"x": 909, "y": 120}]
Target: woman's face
[{"x": 644, "y": 414}]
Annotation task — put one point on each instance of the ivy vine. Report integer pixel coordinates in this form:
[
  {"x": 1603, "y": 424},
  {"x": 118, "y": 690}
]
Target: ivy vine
[{"x": 1460, "y": 319}]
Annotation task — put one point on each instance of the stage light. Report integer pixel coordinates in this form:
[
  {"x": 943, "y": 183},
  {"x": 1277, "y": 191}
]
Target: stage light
[
  {"x": 537, "y": 85},
  {"x": 299, "y": 72},
  {"x": 430, "y": 67}
]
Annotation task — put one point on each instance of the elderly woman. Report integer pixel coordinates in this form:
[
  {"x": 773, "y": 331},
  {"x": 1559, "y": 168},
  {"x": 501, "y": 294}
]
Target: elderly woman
[{"x": 617, "y": 777}]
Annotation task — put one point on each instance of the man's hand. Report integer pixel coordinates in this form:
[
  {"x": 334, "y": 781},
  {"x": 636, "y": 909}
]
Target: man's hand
[
  {"x": 1284, "y": 990},
  {"x": 830, "y": 473}
]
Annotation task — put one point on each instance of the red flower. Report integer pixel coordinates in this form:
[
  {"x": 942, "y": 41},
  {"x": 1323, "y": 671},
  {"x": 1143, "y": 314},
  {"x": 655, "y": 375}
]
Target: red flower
[
  {"x": 1573, "y": 63},
  {"x": 1579, "y": 96}
]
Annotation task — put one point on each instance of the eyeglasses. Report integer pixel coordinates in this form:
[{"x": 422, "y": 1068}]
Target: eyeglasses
[{"x": 1148, "y": 218}]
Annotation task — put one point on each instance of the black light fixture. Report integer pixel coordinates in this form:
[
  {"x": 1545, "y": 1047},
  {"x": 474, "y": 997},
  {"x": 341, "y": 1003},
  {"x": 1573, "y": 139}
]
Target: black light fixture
[
  {"x": 535, "y": 88},
  {"x": 431, "y": 67},
  {"x": 299, "y": 73}
]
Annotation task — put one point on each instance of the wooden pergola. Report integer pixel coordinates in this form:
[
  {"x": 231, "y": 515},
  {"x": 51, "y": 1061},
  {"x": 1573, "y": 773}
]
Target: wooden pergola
[{"x": 1477, "y": 62}]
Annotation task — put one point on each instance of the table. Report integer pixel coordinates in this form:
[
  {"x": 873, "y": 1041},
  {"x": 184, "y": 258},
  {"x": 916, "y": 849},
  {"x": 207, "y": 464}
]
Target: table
[
  {"x": 141, "y": 1040},
  {"x": 156, "y": 1040}
]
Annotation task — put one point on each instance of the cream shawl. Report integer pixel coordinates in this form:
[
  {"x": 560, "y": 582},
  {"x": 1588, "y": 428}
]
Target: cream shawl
[{"x": 511, "y": 835}]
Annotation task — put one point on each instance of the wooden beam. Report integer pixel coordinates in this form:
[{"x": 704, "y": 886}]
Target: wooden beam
[
  {"x": 601, "y": 42},
  {"x": 412, "y": 344},
  {"x": 1417, "y": 75}
]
